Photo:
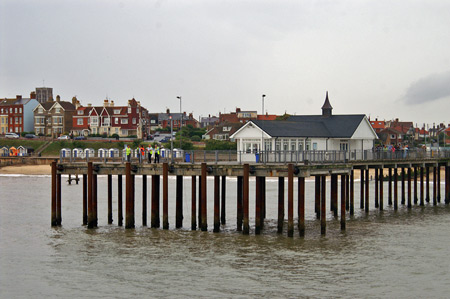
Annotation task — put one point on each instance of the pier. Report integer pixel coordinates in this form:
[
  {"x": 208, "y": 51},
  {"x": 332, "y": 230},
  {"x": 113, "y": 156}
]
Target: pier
[{"x": 413, "y": 174}]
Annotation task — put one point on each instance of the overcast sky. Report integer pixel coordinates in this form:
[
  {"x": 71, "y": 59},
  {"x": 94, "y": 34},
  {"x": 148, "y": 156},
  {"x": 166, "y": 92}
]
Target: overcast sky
[{"x": 385, "y": 59}]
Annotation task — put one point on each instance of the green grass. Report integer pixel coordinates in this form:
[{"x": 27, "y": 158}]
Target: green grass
[{"x": 24, "y": 142}]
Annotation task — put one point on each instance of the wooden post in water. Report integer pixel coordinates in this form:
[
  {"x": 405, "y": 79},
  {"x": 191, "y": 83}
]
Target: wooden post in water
[
  {"x": 323, "y": 223},
  {"x": 416, "y": 198},
  {"x": 301, "y": 206},
  {"x": 317, "y": 196},
  {"x": 129, "y": 198},
  {"x": 421, "y": 187},
  {"x": 390, "y": 186},
  {"x": 193, "y": 203},
  {"x": 84, "y": 199},
  {"x": 58, "y": 200},
  {"x": 395, "y": 189},
  {"x": 352, "y": 193},
  {"x": 165, "y": 196},
  {"x": 376, "y": 188},
  {"x": 199, "y": 202},
  {"x": 90, "y": 176},
  {"x": 343, "y": 200},
  {"x": 144, "y": 200},
  {"x": 258, "y": 205},
  {"x": 290, "y": 200},
  {"x": 367, "y": 191},
  {"x": 263, "y": 201},
  {"x": 438, "y": 183},
  {"x": 434, "y": 185},
  {"x": 347, "y": 193},
  {"x": 223, "y": 200},
  {"x": 204, "y": 223},
  {"x": 245, "y": 184},
  {"x": 447, "y": 184},
  {"x": 333, "y": 193},
  {"x": 403, "y": 186},
  {"x": 281, "y": 204},
  {"x": 409, "y": 189},
  {"x": 94, "y": 199},
  {"x": 361, "y": 196},
  {"x": 239, "y": 204},
  {"x": 216, "y": 204},
  {"x": 381, "y": 181},
  {"x": 119, "y": 201},
  {"x": 155, "y": 217},
  {"x": 110, "y": 217},
  {"x": 427, "y": 188},
  {"x": 179, "y": 202}
]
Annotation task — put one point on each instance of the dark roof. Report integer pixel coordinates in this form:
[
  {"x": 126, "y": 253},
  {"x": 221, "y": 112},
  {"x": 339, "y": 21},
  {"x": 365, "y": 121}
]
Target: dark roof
[
  {"x": 335, "y": 126},
  {"x": 47, "y": 105},
  {"x": 68, "y": 106}
]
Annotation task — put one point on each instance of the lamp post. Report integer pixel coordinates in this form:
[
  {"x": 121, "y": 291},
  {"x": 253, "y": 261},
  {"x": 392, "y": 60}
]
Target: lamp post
[
  {"x": 181, "y": 121},
  {"x": 171, "y": 138},
  {"x": 262, "y": 133}
]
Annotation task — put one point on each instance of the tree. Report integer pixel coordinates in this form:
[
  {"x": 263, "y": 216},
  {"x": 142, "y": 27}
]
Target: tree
[{"x": 212, "y": 145}]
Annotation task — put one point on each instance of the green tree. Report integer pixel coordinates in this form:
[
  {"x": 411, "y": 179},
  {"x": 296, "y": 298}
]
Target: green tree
[{"x": 212, "y": 145}]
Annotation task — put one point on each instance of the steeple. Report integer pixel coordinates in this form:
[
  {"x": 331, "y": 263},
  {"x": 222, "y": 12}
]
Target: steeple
[{"x": 326, "y": 108}]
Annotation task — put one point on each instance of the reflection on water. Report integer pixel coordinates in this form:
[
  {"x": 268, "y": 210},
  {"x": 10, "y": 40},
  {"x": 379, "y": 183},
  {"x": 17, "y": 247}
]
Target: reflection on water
[{"x": 385, "y": 254}]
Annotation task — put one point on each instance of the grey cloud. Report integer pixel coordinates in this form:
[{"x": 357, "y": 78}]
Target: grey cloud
[{"x": 428, "y": 89}]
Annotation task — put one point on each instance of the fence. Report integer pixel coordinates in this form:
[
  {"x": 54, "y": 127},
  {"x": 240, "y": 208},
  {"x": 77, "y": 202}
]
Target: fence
[{"x": 315, "y": 157}]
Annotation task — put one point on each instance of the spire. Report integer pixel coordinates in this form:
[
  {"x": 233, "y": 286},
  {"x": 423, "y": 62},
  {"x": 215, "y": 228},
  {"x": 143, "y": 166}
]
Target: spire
[{"x": 326, "y": 108}]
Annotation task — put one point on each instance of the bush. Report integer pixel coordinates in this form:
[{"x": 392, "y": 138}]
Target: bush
[
  {"x": 212, "y": 145},
  {"x": 196, "y": 138}
]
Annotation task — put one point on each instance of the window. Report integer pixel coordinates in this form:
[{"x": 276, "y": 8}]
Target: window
[
  {"x": 134, "y": 121},
  {"x": 285, "y": 144},
  {"x": 40, "y": 110},
  {"x": 152, "y": 121},
  {"x": 80, "y": 121},
  {"x": 308, "y": 145},
  {"x": 226, "y": 129},
  {"x": 57, "y": 110},
  {"x": 80, "y": 112},
  {"x": 116, "y": 111},
  {"x": 300, "y": 145},
  {"x": 343, "y": 146},
  {"x": 314, "y": 145},
  {"x": 293, "y": 145},
  {"x": 10, "y": 110},
  {"x": 94, "y": 120},
  {"x": 267, "y": 145},
  {"x": 15, "y": 110},
  {"x": 278, "y": 145},
  {"x": 20, "y": 110},
  {"x": 124, "y": 121},
  {"x": 116, "y": 121},
  {"x": 20, "y": 120},
  {"x": 129, "y": 110},
  {"x": 106, "y": 122},
  {"x": 17, "y": 119}
]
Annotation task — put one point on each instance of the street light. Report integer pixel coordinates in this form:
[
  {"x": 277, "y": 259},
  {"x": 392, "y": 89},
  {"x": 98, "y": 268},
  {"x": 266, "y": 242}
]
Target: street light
[
  {"x": 262, "y": 118},
  {"x": 171, "y": 138},
  {"x": 181, "y": 123}
]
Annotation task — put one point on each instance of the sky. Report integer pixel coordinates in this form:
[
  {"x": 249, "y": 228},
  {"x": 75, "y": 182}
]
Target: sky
[{"x": 386, "y": 59}]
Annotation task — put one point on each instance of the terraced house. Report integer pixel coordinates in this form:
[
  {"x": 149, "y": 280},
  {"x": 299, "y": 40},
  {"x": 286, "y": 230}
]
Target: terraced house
[
  {"x": 54, "y": 118},
  {"x": 16, "y": 114},
  {"x": 109, "y": 119}
]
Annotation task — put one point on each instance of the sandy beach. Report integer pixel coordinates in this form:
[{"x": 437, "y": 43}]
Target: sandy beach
[{"x": 26, "y": 169}]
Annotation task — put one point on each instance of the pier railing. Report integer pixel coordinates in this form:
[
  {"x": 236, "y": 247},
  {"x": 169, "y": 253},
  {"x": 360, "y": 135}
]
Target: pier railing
[{"x": 300, "y": 157}]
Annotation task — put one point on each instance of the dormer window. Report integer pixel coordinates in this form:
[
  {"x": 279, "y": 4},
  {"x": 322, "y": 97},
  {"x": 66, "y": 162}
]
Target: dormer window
[{"x": 80, "y": 112}]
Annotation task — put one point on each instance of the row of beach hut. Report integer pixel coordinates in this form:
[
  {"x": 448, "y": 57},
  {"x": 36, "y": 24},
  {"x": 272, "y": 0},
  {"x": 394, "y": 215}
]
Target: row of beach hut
[
  {"x": 20, "y": 151},
  {"x": 107, "y": 153}
]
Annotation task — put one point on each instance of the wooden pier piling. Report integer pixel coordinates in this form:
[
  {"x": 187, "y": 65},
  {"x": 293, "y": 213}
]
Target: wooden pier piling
[
  {"x": 333, "y": 193},
  {"x": 129, "y": 197},
  {"x": 427, "y": 187},
  {"x": 323, "y": 222},
  {"x": 403, "y": 186},
  {"x": 54, "y": 221},
  {"x": 301, "y": 206},
  {"x": 395, "y": 189},
  {"x": 58, "y": 200},
  {"x": 204, "y": 223},
  {"x": 90, "y": 176},
  {"x": 110, "y": 216},
  {"x": 165, "y": 196},
  {"x": 179, "y": 202},
  {"x": 422, "y": 195},
  {"x": 361, "y": 195},
  {"x": 85, "y": 217},
  {"x": 258, "y": 200},
  {"x": 416, "y": 198},
  {"x": 119, "y": 201},
  {"x": 390, "y": 186},
  {"x": 435, "y": 182},
  {"x": 245, "y": 185},
  {"x": 193, "y": 203},
  {"x": 343, "y": 200},
  {"x": 239, "y": 203},
  {"x": 367, "y": 191},
  {"x": 290, "y": 200},
  {"x": 223, "y": 201},
  {"x": 352, "y": 193},
  {"x": 281, "y": 205},
  {"x": 144, "y": 200},
  {"x": 317, "y": 197},
  {"x": 155, "y": 206},
  {"x": 377, "y": 205},
  {"x": 216, "y": 204},
  {"x": 381, "y": 181},
  {"x": 409, "y": 189}
]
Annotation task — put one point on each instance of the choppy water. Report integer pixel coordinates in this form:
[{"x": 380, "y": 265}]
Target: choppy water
[{"x": 401, "y": 254}]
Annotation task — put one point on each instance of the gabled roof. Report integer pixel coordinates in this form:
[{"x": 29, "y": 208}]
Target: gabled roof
[
  {"x": 67, "y": 106},
  {"x": 338, "y": 126},
  {"x": 46, "y": 106}
]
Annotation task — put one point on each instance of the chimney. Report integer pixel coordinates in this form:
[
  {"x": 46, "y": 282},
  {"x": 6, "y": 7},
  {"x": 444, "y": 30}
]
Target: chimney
[
  {"x": 58, "y": 98},
  {"x": 74, "y": 101},
  {"x": 238, "y": 109},
  {"x": 326, "y": 108},
  {"x": 18, "y": 97},
  {"x": 105, "y": 103},
  {"x": 33, "y": 95},
  {"x": 89, "y": 105},
  {"x": 111, "y": 103},
  {"x": 168, "y": 111}
]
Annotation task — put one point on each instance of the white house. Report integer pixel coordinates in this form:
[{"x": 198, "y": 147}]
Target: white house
[{"x": 326, "y": 132}]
